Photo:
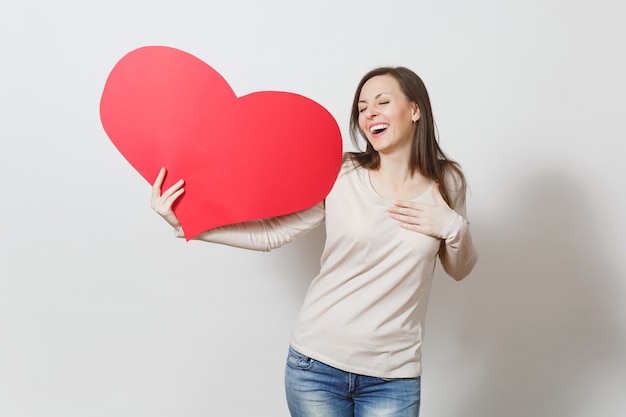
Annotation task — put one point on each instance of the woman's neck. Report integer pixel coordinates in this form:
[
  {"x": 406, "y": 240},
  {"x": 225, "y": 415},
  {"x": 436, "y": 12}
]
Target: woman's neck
[
  {"x": 395, "y": 167},
  {"x": 395, "y": 181}
]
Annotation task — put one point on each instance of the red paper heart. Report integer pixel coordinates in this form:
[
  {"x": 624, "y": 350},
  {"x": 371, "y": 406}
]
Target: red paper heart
[{"x": 261, "y": 155}]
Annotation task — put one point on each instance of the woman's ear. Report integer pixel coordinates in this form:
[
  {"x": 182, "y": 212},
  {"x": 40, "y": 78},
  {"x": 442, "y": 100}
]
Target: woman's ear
[{"x": 416, "y": 113}]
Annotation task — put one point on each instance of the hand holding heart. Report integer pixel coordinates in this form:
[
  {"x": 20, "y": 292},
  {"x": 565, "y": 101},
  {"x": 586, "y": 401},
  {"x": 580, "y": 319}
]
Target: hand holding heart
[
  {"x": 423, "y": 218},
  {"x": 162, "y": 202}
]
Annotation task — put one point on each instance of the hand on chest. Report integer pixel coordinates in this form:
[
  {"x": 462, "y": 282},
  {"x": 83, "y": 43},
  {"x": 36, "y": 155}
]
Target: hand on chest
[{"x": 366, "y": 226}]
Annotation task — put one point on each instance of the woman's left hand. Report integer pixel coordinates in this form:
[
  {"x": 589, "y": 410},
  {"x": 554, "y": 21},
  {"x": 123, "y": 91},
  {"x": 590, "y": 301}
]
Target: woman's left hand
[{"x": 423, "y": 218}]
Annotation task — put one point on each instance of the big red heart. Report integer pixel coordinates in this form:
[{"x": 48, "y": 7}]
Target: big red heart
[{"x": 261, "y": 155}]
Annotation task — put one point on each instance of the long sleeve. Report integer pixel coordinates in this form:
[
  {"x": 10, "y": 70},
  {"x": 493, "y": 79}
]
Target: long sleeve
[
  {"x": 457, "y": 254},
  {"x": 265, "y": 234}
]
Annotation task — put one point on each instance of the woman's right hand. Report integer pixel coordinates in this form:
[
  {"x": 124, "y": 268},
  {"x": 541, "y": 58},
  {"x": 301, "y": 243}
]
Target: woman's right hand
[{"x": 162, "y": 203}]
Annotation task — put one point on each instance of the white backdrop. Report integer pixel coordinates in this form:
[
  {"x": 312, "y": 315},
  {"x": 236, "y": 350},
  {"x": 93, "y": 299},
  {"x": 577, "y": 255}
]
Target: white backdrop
[{"x": 104, "y": 313}]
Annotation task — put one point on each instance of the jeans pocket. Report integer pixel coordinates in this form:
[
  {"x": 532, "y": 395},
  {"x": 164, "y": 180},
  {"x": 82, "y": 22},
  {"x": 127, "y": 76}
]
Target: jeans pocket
[{"x": 297, "y": 360}]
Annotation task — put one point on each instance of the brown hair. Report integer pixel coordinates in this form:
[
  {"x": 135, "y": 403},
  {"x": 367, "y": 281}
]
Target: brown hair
[{"x": 427, "y": 158}]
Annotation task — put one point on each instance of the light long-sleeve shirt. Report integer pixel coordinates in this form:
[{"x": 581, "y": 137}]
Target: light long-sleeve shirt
[{"x": 365, "y": 311}]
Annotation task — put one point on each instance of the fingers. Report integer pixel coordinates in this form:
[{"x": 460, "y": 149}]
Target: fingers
[
  {"x": 162, "y": 202},
  {"x": 158, "y": 182},
  {"x": 413, "y": 219},
  {"x": 160, "y": 177},
  {"x": 406, "y": 208},
  {"x": 417, "y": 217},
  {"x": 171, "y": 195},
  {"x": 424, "y": 218},
  {"x": 174, "y": 189},
  {"x": 406, "y": 219},
  {"x": 405, "y": 212},
  {"x": 406, "y": 204}
]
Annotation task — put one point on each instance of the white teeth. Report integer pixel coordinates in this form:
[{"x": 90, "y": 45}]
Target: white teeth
[{"x": 378, "y": 127}]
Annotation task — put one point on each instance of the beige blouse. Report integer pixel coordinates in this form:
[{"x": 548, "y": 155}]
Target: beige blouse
[{"x": 364, "y": 312}]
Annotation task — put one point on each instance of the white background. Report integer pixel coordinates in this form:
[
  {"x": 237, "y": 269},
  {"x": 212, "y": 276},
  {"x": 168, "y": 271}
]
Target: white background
[{"x": 104, "y": 313}]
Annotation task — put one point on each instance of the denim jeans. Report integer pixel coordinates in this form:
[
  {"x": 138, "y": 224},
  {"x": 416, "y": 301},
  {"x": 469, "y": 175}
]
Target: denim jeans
[{"x": 315, "y": 389}]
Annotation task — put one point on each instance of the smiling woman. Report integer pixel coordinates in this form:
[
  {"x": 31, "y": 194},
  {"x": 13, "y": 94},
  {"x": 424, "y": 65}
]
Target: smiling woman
[
  {"x": 398, "y": 94},
  {"x": 393, "y": 210},
  {"x": 386, "y": 112}
]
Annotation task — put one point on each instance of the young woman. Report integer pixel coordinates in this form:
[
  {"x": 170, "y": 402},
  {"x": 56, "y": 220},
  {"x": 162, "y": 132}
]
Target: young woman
[{"x": 394, "y": 208}]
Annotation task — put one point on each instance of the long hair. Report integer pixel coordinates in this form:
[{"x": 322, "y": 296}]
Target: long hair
[{"x": 427, "y": 158}]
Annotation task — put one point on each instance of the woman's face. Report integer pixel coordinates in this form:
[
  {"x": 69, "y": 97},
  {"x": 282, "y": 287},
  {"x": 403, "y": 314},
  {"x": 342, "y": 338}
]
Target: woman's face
[{"x": 386, "y": 115}]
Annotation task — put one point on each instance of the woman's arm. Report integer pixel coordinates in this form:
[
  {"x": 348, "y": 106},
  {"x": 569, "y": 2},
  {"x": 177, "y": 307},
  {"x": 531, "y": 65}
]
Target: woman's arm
[
  {"x": 457, "y": 254},
  {"x": 265, "y": 234},
  {"x": 261, "y": 235}
]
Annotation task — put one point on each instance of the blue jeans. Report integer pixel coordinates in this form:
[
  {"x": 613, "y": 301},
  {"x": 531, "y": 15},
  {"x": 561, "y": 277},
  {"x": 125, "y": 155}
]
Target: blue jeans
[{"x": 315, "y": 389}]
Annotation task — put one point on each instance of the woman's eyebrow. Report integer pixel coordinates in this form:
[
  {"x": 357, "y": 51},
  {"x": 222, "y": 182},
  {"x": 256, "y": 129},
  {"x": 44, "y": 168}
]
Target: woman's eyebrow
[{"x": 375, "y": 98}]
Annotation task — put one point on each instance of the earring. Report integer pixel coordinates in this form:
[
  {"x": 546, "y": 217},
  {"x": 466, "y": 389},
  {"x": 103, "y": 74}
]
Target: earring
[{"x": 415, "y": 118}]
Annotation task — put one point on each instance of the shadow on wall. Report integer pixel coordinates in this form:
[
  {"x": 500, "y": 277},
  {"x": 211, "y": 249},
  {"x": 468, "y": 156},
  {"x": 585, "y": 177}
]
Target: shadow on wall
[{"x": 538, "y": 314}]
